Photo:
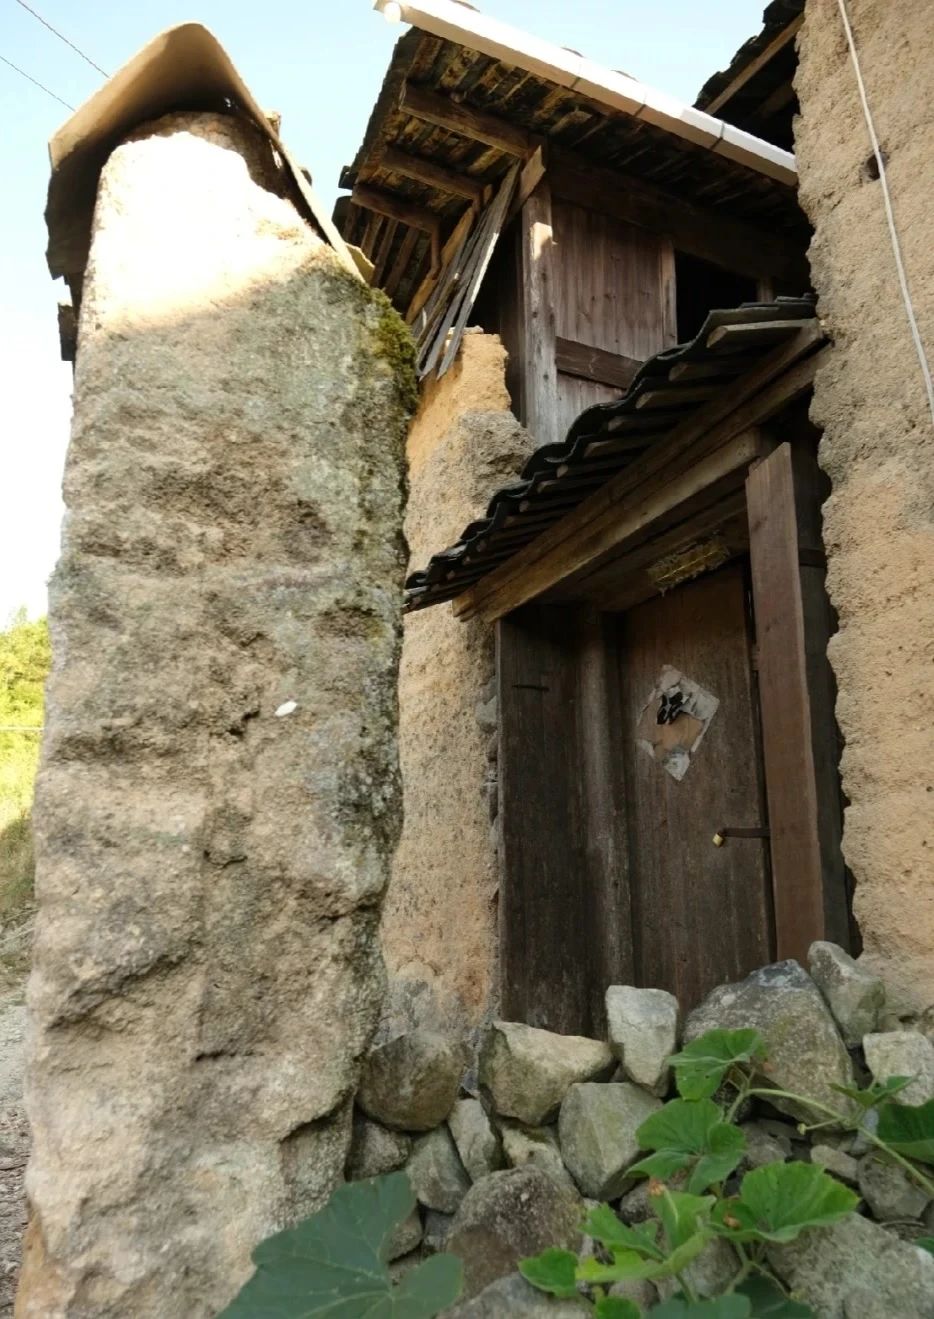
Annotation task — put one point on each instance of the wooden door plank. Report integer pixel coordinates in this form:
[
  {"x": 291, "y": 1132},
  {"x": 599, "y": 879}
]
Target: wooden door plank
[
  {"x": 791, "y": 785},
  {"x": 564, "y": 900},
  {"x": 701, "y": 914}
]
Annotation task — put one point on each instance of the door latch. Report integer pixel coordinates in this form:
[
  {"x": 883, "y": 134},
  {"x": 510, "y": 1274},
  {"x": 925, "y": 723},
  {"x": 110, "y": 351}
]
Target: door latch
[{"x": 723, "y": 834}]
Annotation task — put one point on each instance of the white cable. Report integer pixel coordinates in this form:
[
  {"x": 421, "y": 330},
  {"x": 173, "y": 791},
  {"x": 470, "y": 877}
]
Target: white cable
[{"x": 890, "y": 215}]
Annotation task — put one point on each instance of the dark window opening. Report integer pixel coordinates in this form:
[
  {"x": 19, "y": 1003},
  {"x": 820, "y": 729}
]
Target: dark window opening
[{"x": 702, "y": 288}]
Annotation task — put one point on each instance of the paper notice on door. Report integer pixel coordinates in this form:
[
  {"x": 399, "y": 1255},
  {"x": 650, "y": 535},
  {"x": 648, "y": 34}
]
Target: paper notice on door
[{"x": 673, "y": 721}]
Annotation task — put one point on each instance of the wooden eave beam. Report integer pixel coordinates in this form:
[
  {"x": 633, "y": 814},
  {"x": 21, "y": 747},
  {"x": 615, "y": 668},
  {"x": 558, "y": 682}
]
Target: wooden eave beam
[
  {"x": 457, "y": 118},
  {"x": 778, "y": 42},
  {"x": 384, "y": 203},
  {"x": 700, "y": 232},
  {"x": 430, "y": 173},
  {"x": 591, "y": 531}
]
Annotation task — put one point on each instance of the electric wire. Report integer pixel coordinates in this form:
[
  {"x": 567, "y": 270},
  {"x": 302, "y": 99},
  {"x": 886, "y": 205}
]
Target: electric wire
[
  {"x": 889, "y": 212},
  {"x": 54, "y": 30},
  {"x": 36, "y": 81}
]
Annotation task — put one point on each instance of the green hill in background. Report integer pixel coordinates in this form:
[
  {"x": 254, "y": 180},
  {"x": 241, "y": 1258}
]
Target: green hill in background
[{"x": 24, "y": 665}]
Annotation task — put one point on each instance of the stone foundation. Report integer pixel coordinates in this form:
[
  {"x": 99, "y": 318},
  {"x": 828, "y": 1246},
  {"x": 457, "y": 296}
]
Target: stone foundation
[
  {"x": 551, "y": 1129},
  {"x": 218, "y": 796}
]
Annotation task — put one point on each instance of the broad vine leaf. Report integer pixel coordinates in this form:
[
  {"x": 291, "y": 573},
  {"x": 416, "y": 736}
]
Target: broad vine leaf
[
  {"x": 770, "y": 1302},
  {"x": 552, "y": 1271},
  {"x": 603, "y": 1225},
  {"x": 733, "y": 1306},
  {"x": 690, "y": 1133},
  {"x": 908, "y": 1129},
  {"x": 626, "y": 1265},
  {"x": 334, "y": 1263},
  {"x": 778, "y": 1201},
  {"x": 701, "y": 1065},
  {"x": 682, "y": 1215},
  {"x": 616, "y": 1307},
  {"x": 874, "y": 1094}
]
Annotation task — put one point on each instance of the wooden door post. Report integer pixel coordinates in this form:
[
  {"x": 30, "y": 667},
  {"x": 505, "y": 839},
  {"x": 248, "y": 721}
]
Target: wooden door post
[
  {"x": 539, "y": 377},
  {"x": 791, "y": 782}
]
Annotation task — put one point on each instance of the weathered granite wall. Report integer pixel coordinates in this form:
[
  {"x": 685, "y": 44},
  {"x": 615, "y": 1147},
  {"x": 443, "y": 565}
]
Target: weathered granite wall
[
  {"x": 440, "y": 919},
  {"x": 218, "y": 797},
  {"x": 877, "y": 449}
]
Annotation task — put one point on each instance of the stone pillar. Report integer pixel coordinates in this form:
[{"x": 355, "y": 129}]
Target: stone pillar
[
  {"x": 440, "y": 919},
  {"x": 870, "y": 400},
  {"x": 218, "y": 800}
]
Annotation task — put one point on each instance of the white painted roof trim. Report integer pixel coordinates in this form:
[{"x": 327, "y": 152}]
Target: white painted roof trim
[{"x": 466, "y": 26}]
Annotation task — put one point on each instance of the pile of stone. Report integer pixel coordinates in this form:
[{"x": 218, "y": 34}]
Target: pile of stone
[{"x": 509, "y": 1168}]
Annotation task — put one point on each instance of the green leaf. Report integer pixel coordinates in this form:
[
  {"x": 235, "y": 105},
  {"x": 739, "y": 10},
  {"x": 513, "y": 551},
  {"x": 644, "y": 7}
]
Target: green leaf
[
  {"x": 701, "y": 1065},
  {"x": 908, "y": 1129},
  {"x": 926, "y": 1243},
  {"x": 690, "y": 1133},
  {"x": 733, "y": 1306},
  {"x": 778, "y": 1201},
  {"x": 552, "y": 1271},
  {"x": 616, "y": 1307},
  {"x": 603, "y": 1225},
  {"x": 682, "y": 1215},
  {"x": 770, "y": 1302},
  {"x": 334, "y": 1263},
  {"x": 874, "y": 1094},
  {"x": 625, "y": 1266}
]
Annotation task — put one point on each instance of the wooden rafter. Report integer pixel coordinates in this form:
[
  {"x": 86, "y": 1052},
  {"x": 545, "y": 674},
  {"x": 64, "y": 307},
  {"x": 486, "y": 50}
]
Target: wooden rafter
[
  {"x": 430, "y": 173},
  {"x": 778, "y": 42},
  {"x": 394, "y": 208},
  {"x": 458, "y": 118}
]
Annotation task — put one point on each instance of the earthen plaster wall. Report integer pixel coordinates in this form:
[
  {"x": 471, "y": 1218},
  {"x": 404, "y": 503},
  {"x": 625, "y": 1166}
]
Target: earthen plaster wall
[
  {"x": 440, "y": 918},
  {"x": 218, "y": 798},
  {"x": 878, "y": 449}
]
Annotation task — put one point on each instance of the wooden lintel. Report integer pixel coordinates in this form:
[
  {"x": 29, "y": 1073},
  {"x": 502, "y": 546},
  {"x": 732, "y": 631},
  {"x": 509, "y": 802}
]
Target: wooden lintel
[
  {"x": 461, "y": 119},
  {"x": 430, "y": 173},
  {"x": 784, "y": 700},
  {"x": 620, "y": 524},
  {"x": 588, "y": 363},
  {"x": 394, "y": 208},
  {"x": 591, "y": 529},
  {"x": 745, "y": 75},
  {"x": 696, "y": 230}
]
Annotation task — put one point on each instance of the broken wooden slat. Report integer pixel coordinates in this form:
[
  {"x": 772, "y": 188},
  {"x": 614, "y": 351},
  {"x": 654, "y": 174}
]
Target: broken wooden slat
[
  {"x": 431, "y": 173},
  {"x": 457, "y": 118},
  {"x": 533, "y": 171},
  {"x": 484, "y": 253},
  {"x": 401, "y": 263},
  {"x": 580, "y": 359},
  {"x": 450, "y": 250}
]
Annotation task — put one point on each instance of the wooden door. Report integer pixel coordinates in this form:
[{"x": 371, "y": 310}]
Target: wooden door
[{"x": 700, "y": 914}]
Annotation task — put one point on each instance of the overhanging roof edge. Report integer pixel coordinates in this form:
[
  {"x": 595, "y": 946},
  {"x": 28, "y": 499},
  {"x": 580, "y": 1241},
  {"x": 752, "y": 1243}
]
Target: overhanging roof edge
[{"x": 459, "y": 23}]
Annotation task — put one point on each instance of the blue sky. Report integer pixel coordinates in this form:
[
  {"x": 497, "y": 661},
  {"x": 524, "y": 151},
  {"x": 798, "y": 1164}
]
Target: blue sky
[{"x": 318, "y": 63}]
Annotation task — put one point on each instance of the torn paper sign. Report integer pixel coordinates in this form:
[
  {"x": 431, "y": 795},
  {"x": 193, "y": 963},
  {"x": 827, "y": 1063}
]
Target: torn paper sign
[{"x": 673, "y": 721}]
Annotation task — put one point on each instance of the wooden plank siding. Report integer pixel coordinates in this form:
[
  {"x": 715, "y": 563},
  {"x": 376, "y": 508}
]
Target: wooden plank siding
[{"x": 611, "y": 294}]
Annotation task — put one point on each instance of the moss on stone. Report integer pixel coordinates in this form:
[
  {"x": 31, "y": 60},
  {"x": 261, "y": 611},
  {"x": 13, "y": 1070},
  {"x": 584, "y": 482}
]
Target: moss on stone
[{"x": 394, "y": 342}]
